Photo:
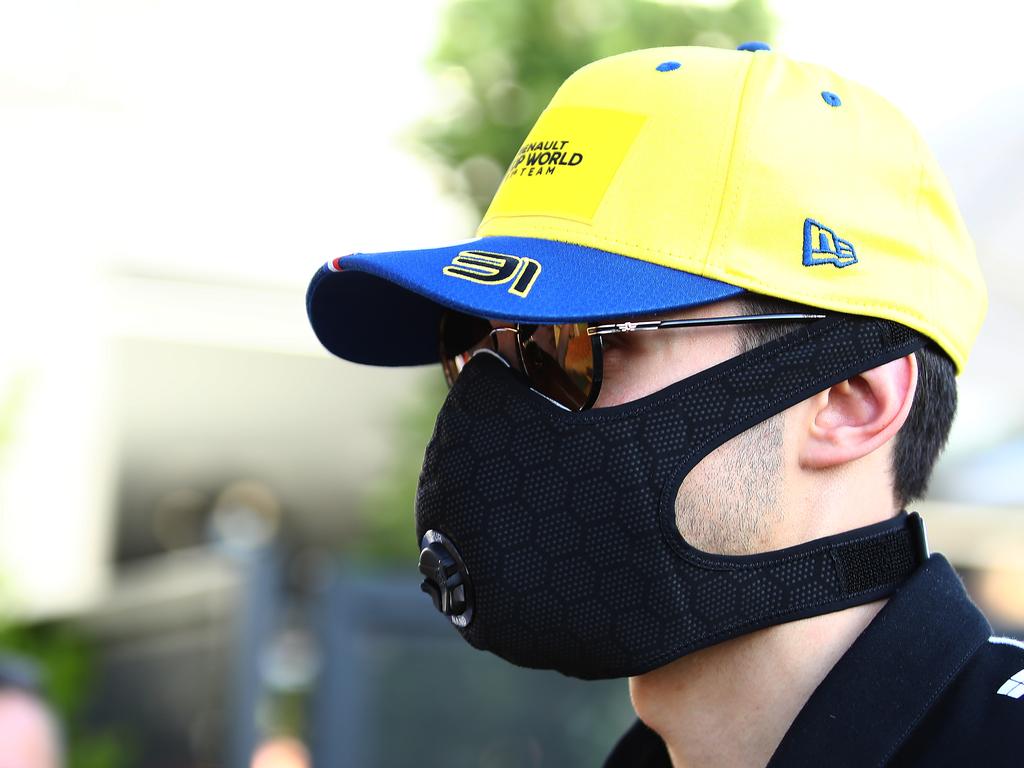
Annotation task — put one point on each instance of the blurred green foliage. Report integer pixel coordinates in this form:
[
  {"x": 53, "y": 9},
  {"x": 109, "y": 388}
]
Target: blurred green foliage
[
  {"x": 67, "y": 662},
  {"x": 499, "y": 63}
]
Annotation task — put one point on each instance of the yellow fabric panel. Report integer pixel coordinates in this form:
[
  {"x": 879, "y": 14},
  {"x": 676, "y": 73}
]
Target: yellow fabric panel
[
  {"x": 715, "y": 168},
  {"x": 566, "y": 163}
]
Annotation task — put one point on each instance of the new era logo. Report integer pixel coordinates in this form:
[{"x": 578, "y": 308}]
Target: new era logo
[
  {"x": 821, "y": 246},
  {"x": 1014, "y": 687}
]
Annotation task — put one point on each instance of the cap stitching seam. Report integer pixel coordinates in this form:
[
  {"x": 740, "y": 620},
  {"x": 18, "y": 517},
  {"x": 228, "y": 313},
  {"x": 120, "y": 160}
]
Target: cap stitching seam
[
  {"x": 733, "y": 165},
  {"x": 921, "y": 223}
]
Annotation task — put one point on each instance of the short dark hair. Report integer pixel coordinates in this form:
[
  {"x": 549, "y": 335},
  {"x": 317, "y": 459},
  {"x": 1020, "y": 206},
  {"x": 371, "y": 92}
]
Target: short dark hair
[{"x": 923, "y": 436}]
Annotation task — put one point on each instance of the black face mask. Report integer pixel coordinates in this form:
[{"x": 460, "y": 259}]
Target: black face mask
[{"x": 549, "y": 537}]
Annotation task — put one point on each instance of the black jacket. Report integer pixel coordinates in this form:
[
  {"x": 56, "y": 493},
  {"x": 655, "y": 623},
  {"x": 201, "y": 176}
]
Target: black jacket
[{"x": 924, "y": 685}]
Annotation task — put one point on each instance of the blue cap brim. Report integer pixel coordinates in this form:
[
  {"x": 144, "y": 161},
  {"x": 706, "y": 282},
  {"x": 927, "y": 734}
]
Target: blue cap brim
[{"x": 384, "y": 308}]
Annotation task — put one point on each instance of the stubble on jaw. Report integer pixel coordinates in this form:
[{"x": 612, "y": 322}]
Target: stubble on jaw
[{"x": 731, "y": 502}]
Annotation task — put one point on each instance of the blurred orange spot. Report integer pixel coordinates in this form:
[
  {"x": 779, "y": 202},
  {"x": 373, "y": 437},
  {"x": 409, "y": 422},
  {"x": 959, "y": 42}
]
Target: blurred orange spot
[
  {"x": 1001, "y": 593},
  {"x": 281, "y": 752}
]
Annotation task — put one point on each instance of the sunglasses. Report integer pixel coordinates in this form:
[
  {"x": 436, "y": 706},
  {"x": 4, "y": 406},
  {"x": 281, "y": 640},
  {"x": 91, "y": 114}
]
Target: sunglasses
[{"x": 562, "y": 362}]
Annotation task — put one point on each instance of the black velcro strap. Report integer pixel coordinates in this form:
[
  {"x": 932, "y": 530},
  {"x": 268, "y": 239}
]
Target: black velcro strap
[{"x": 882, "y": 561}]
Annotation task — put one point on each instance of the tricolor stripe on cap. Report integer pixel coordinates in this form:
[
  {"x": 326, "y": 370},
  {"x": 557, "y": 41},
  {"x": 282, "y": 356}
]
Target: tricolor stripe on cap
[{"x": 383, "y": 308}]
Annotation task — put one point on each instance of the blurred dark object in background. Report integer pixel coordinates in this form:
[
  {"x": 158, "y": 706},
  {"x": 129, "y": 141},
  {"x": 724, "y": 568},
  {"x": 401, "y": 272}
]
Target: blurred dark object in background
[{"x": 399, "y": 688}]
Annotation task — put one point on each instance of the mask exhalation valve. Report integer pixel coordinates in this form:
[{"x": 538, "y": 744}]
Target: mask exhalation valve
[{"x": 446, "y": 579}]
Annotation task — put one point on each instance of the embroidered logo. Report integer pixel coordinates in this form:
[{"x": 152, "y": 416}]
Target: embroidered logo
[
  {"x": 544, "y": 158},
  {"x": 495, "y": 269},
  {"x": 567, "y": 163},
  {"x": 1014, "y": 687},
  {"x": 821, "y": 246}
]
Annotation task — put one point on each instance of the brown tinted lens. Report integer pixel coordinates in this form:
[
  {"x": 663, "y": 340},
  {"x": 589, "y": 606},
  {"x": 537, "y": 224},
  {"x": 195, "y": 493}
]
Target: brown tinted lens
[
  {"x": 559, "y": 362},
  {"x": 460, "y": 337}
]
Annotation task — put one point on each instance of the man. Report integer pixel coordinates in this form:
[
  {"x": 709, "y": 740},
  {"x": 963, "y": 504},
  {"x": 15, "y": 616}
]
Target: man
[{"x": 701, "y": 358}]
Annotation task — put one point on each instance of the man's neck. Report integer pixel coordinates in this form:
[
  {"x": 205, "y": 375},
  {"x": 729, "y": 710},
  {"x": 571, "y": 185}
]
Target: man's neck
[{"x": 731, "y": 704}]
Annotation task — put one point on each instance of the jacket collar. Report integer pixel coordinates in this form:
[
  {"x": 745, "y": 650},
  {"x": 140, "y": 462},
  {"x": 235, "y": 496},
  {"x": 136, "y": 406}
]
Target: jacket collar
[{"x": 891, "y": 676}]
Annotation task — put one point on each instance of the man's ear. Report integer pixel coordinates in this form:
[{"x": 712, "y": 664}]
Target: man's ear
[{"x": 856, "y": 416}]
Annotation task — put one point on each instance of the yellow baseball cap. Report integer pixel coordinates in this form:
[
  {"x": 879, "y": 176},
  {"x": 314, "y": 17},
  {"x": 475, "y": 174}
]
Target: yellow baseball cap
[{"x": 671, "y": 177}]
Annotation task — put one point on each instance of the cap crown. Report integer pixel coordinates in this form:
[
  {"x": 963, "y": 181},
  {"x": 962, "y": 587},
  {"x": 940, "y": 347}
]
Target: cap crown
[{"x": 773, "y": 175}]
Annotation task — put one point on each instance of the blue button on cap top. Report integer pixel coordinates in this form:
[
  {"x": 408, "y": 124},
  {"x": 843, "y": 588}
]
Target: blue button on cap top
[
  {"x": 753, "y": 45},
  {"x": 831, "y": 99}
]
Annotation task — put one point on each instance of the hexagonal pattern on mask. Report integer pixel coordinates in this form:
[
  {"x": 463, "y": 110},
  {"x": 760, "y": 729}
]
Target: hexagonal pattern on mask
[{"x": 566, "y": 524}]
